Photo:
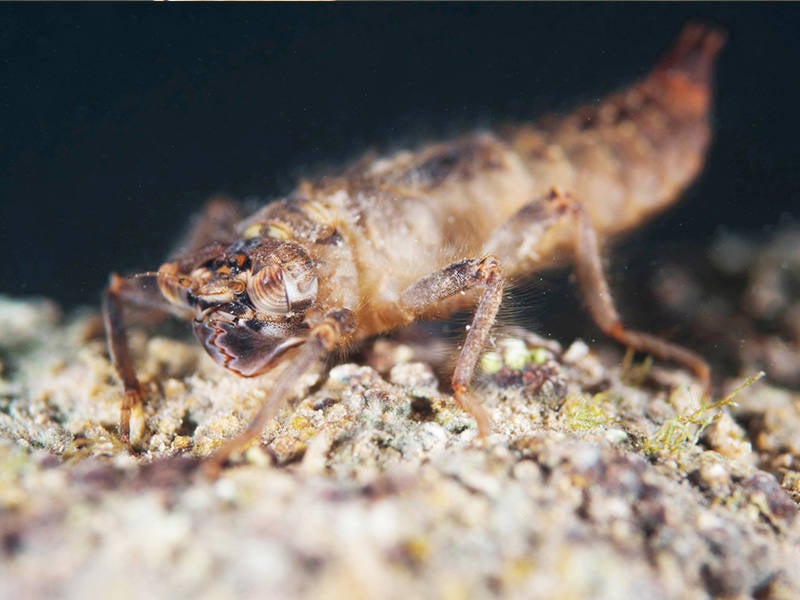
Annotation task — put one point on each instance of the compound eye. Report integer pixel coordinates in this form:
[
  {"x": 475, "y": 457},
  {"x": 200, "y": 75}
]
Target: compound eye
[{"x": 267, "y": 291}]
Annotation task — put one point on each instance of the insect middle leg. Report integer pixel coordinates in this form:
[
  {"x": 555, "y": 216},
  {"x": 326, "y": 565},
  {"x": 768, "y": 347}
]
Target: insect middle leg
[
  {"x": 561, "y": 210},
  {"x": 455, "y": 278}
]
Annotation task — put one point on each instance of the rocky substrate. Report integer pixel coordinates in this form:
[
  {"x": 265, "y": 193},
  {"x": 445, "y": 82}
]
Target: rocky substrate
[{"x": 599, "y": 480}]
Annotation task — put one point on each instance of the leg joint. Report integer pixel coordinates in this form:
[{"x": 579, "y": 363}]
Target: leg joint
[{"x": 489, "y": 269}]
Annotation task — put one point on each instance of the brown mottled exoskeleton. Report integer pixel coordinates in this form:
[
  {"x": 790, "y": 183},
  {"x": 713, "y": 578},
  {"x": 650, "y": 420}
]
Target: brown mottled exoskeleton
[{"x": 422, "y": 234}]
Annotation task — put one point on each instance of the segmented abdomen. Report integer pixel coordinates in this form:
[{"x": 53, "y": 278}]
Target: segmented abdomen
[
  {"x": 624, "y": 158},
  {"x": 402, "y": 217}
]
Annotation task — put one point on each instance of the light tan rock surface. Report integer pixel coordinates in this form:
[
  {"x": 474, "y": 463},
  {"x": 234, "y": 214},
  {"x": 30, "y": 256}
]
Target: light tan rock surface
[{"x": 597, "y": 482}]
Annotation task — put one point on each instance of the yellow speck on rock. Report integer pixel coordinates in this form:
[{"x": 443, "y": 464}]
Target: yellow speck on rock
[
  {"x": 300, "y": 423},
  {"x": 517, "y": 570},
  {"x": 580, "y": 413},
  {"x": 182, "y": 442},
  {"x": 491, "y": 363},
  {"x": 418, "y": 549}
]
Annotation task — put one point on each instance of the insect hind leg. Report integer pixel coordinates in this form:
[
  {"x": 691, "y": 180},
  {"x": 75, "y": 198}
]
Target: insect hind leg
[
  {"x": 518, "y": 239},
  {"x": 597, "y": 296}
]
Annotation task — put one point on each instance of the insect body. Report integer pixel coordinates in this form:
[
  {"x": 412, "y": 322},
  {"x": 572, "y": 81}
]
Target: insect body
[{"x": 421, "y": 234}]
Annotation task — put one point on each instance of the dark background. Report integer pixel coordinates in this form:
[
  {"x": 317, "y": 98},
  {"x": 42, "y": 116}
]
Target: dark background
[{"x": 119, "y": 121}]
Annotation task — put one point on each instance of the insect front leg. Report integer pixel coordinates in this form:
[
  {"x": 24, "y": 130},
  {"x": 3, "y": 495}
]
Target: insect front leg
[
  {"x": 121, "y": 355},
  {"x": 216, "y": 220},
  {"x": 332, "y": 332},
  {"x": 133, "y": 292},
  {"x": 520, "y": 238},
  {"x": 458, "y": 277}
]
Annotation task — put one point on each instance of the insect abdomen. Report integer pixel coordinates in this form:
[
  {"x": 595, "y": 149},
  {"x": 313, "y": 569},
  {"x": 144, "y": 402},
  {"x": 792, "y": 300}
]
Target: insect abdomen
[{"x": 632, "y": 154}]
